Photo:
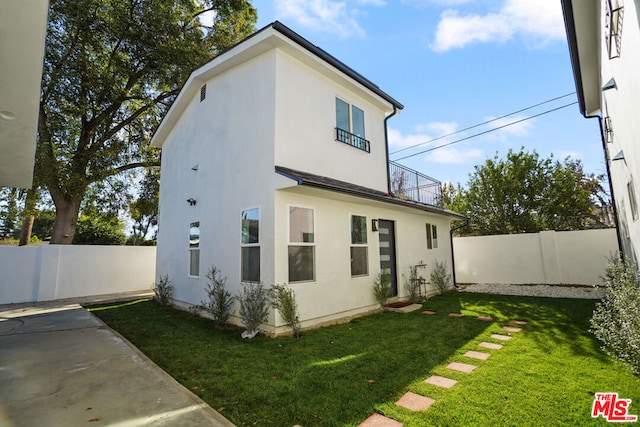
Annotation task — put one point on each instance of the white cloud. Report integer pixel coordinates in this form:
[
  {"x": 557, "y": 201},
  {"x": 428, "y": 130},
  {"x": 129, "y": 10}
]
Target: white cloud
[
  {"x": 538, "y": 22},
  {"x": 398, "y": 141},
  {"x": 517, "y": 129},
  {"x": 455, "y": 155},
  {"x": 563, "y": 154},
  {"x": 329, "y": 16}
]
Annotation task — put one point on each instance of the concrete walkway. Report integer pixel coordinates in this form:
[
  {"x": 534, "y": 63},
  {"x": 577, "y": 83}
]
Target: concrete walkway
[{"x": 61, "y": 366}]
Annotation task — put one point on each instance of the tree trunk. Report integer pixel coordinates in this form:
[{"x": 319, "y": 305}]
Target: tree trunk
[
  {"x": 25, "y": 231},
  {"x": 28, "y": 216},
  {"x": 64, "y": 227}
]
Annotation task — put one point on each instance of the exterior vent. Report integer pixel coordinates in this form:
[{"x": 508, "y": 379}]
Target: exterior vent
[{"x": 203, "y": 92}]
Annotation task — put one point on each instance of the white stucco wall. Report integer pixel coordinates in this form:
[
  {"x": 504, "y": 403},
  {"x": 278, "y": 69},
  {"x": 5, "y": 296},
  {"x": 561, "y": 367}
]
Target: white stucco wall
[
  {"x": 568, "y": 257},
  {"x": 49, "y": 272},
  {"x": 622, "y": 105}
]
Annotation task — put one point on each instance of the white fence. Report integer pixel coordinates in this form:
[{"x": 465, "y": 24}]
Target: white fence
[
  {"x": 48, "y": 272},
  {"x": 549, "y": 263}
]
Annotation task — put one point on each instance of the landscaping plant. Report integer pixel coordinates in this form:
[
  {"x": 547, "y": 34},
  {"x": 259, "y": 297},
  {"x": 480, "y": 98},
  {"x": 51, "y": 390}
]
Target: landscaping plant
[
  {"x": 440, "y": 276},
  {"x": 616, "y": 319},
  {"x": 163, "y": 290},
  {"x": 254, "y": 307},
  {"x": 284, "y": 300},
  {"x": 412, "y": 285},
  {"x": 382, "y": 286},
  {"x": 220, "y": 300}
]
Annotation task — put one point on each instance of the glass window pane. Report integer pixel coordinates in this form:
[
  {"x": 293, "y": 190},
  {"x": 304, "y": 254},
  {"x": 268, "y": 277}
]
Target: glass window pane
[
  {"x": 358, "y": 230},
  {"x": 357, "y": 116},
  {"x": 301, "y": 225},
  {"x": 429, "y": 244},
  {"x": 359, "y": 261},
  {"x": 342, "y": 115},
  {"x": 301, "y": 263},
  {"x": 250, "y": 226},
  {"x": 251, "y": 264},
  {"x": 194, "y": 235},
  {"x": 194, "y": 262},
  {"x": 434, "y": 236}
]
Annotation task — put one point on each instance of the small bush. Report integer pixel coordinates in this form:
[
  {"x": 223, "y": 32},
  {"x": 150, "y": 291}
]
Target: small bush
[
  {"x": 440, "y": 276},
  {"x": 254, "y": 307},
  {"x": 413, "y": 285},
  {"x": 163, "y": 290},
  {"x": 220, "y": 300},
  {"x": 616, "y": 319},
  {"x": 382, "y": 287},
  {"x": 284, "y": 300}
]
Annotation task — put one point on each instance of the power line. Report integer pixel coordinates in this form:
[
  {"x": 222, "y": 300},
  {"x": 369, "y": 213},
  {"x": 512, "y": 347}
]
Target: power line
[
  {"x": 483, "y": 123},
  {"x": 487, "y": 131}
]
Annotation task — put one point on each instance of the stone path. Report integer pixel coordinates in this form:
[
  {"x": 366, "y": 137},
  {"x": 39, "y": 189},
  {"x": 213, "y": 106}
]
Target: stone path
[{"x": 417, "y": 402}]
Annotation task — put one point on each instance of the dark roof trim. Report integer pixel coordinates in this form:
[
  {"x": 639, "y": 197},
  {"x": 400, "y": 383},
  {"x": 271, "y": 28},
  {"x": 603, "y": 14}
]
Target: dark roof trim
[
  {"x": 330, "y": 184},
  {"x": 572, "y": 40},
  {"x": 332, "y": 60}
]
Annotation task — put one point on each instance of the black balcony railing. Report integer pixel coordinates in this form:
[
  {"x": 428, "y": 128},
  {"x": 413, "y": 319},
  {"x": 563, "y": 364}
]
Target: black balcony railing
[
  {"x": 409, "y": 184},
  {"x": 613, "y": 26},
  {"x": 352, "y": 140}
]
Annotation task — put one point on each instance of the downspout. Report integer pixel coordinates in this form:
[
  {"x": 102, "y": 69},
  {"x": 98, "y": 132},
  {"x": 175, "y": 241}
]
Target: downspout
[
  {"x": 386, "y": 146},
  {"x": 453, "y": 258}
]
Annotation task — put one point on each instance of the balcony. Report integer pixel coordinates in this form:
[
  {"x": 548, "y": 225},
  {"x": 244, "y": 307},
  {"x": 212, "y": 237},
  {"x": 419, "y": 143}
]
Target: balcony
[
  {"x": 352, "y": 140},
  {"x": 409, "y": 184}
]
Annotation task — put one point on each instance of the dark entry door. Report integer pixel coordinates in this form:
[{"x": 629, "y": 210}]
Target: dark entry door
[{"x": 387, "y": 236}]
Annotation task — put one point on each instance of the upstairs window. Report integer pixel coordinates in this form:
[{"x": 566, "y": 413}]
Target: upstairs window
[
  {"x": 194, "y": 249},
  {"x": 350, "y": 125},
  {"x": 250, "y": 246}
]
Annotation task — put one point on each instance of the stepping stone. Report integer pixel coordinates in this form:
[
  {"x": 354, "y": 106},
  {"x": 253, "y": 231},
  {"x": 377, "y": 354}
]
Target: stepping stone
[
  {"x": 377, "y": 420},
  {"x": 518, "y": 322},
  {"x": 414, "y": 402},
  {"x": 440, "y": 381},
  {"x": 428, "y": 312},
  {"x": 511, "y": 329},
  {"x": 477, "y": 355},
  {"x": 490, "y": 345},
  {"x": 501, "y": 337},
  {"x": 461, "y": 367},
  {"x": 486, "y": 318},
  {"x": 456, "y": 315}
]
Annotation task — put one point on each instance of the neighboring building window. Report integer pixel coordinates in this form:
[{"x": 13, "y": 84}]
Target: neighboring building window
[
  {"x": 250, "y": 245},
  {"x": 632, "y": 200},
  {"x": 350, "y": 125},
  {"x": 301, "y": 245},
  {"x": 359, "y": 250},
  {"x": 194, "y": 249},
  {"x": 203, "y": 92},
  {"x": 432, "y": 236}
]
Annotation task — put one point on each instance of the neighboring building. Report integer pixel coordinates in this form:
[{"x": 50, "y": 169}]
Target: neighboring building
[
  {"x": 275, "y": 169},
  {"x": 604, "y": 42}
]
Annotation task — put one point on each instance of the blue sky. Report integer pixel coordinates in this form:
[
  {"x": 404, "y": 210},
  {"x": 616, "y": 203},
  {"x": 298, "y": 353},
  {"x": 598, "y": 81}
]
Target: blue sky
[{"x": 454, "y": 64}]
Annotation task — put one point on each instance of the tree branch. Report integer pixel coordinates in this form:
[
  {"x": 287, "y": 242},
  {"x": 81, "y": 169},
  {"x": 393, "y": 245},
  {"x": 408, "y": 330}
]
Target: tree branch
[{"x": 120, "y": 169}]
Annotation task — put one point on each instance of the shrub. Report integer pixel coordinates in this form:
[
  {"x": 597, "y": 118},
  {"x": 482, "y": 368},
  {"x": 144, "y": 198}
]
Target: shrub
[
  {"x": 284, "y": 300},
  {"x": 220, "y": 300},
  {"x": 440, "y": 276},
  {"x": 382, "y": 287},
  {"x": 413, "y": 285},
  {"x": 254, "y": 307},
  {"x": 163, "y": 290},
  {"x": 616, "y": 319}
]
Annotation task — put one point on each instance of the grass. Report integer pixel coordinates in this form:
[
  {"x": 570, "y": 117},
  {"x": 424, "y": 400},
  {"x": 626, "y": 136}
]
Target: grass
[{"x": 339, "y": 375}]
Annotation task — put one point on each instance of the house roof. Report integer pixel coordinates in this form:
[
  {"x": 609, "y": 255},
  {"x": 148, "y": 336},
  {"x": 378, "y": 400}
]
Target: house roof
[
  {"x": 274, "y": 35},
  {"x": 582, "y": 23},
  {"x": 330, "y": 184}
]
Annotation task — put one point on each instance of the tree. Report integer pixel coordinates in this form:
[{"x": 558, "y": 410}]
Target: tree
[
  {"x": 144, "y": 209},
  {"x": 8, "y": 212},
  {"x": 111, "y": 69},
  {"x": 526, "y": 194}
]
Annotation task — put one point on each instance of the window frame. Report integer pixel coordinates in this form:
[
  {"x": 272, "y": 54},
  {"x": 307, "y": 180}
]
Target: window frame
[
  {"x": 354, "y": 244},
  {"x": 244, "y": 245},
  {"x": 311, "y": 244},
  {"x": 432, "y": 235},
  {"x": 194, "y": 249}
]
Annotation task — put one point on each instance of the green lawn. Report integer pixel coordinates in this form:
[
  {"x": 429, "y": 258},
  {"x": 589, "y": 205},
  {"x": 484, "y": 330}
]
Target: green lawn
[{"x": 339, "y": 375}]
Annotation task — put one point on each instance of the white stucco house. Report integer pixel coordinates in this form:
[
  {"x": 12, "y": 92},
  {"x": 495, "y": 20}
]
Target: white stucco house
[
  {"x": 604, "y": 43},
  {"x": 275, "y": 169}
]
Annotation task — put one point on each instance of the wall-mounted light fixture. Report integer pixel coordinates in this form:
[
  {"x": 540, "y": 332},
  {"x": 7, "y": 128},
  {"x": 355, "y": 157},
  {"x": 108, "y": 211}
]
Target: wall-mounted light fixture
[
  {"x": 192, "y": 201},
  {"x": 611, "y": 84},
  {"x": 374, "y": 225}
]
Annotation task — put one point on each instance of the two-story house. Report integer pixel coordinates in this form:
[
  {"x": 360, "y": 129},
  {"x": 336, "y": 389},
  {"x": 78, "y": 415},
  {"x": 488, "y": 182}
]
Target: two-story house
[
  {"x": 275, "y": 169},
  {"x": 604, "y": 43}
]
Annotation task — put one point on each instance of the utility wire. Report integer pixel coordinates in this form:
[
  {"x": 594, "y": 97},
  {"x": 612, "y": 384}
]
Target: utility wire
[
  {"x": 487, "y": 131},
  {"x": 483, "y": 123}
]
